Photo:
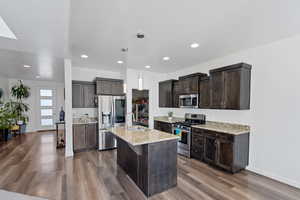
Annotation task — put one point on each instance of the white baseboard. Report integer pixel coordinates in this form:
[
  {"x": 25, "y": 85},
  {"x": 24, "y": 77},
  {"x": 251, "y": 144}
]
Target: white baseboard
[{"x": 275, "y": 177}]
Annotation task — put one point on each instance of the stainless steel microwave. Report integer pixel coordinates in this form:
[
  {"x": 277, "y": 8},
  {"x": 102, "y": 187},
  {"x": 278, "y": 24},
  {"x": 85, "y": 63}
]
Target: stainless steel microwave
[{"x": 188, "y": 101}]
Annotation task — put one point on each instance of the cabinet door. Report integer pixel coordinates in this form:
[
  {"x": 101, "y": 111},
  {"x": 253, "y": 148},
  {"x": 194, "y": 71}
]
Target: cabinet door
[
  {"x": 205, "y": 94},
  {"x": 194, "y": 85},
  {"x": 77, "y": 96},
  {"x": 91, "y": 136},
  {"x": 166, "y": 94},
  {"x": 225, "y": 154},
  {"x": 104, "y": 87},
  {"x": 217, "y": 90},
  {"x": 117, "y": 88},
  {"x": 232, "y": 89},
  {"x": 89, "y": 96},
  {"x": 197, "y": 146},
  {"x": 79, "y": 137},
  {"x": 176, "y": 92},
  {"x": 210, "y": 149}
]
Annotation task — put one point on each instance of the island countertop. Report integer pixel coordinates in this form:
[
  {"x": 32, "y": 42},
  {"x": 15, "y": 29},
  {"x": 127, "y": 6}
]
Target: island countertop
[{"x": 137, "y": 135}]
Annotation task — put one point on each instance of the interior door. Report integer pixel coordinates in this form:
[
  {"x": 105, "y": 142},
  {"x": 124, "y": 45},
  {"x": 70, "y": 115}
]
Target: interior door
[{"x": 47, "y": 108}]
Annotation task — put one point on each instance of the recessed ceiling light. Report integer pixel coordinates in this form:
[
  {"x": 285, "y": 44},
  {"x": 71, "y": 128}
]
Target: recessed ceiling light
[
  {"x": 120, "y": 62},
  {"x": 194, "y": 45},
  {"x": 27, "y": 66},
  {"x": 38, "y": 76},
  {"x": 147, "y": 66},
  {"x": 166, "y": 58},
  {"x": 84, "y": 56},
  {"x": 5, "y": 30}
]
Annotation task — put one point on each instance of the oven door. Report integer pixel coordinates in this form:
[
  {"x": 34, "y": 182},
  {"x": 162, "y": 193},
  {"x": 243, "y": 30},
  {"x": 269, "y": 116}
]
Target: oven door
[
  {"x": 183, "y": 134},
  {"x": 188, "y": 101}
]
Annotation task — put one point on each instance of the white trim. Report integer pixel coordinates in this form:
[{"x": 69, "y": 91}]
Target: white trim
[{"x": 275, "y": 177}]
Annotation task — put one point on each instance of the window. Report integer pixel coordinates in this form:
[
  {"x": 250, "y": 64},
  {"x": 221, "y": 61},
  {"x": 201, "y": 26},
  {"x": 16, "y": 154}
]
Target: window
[
  {"x": 46, "y": 102},
  {"x": 45, "y": 93},
  {"x": 46, "y": 112}
]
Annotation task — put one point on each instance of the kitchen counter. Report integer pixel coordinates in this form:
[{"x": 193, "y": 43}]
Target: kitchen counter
[
  {"x": 229, "y": 128},
  {"x": 137, "y": 135},
  {"x": 85, "y": 121},
  {"x": 165, "y": 119}
]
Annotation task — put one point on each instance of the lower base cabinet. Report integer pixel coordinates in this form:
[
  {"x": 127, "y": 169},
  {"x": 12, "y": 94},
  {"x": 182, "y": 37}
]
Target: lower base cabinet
[
  {"x": 229, "y": 152},
  {"x": 163, "y": 126},
  {"x": 84, "y": 137}
]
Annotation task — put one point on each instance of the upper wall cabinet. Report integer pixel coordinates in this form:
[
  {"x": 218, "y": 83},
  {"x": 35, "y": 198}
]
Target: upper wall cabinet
[
  {"x": 166, "y": 94},
  {"x": 190, "y": 84},
  {"x": 204, "y": 92},
  {"x": 83, "y": 94},
  {"x": 109, "y": 86},
  {"x": 230, "y": 87}
]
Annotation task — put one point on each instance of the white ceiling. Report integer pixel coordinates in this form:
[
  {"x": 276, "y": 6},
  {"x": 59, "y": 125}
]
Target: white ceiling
[
  {"x": 41, "y": 28},
  {"x": 101, "y": 28}
]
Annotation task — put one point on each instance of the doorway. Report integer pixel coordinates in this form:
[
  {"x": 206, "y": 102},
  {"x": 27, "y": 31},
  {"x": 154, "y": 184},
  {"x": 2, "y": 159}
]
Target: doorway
[
  {"x": 47, "y": 108},
  {"x": 140, "y": 107}
]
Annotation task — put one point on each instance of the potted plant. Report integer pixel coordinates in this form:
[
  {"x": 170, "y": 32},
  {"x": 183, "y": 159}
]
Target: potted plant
[
  {"x": 7, "y": 117},
  {"x": 170, "y": 116},
  {"x": 19, "y": 108}
]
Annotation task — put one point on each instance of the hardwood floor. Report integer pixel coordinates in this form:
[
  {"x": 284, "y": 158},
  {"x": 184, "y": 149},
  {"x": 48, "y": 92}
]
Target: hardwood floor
[{"x": 31, "y": 164}]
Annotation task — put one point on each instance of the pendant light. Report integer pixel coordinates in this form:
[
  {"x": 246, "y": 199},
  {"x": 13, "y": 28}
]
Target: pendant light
[{"x": 140, "y": 79}]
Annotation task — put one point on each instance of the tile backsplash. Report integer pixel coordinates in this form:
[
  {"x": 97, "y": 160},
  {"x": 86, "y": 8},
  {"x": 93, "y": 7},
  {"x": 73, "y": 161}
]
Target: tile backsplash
[{"x": 79, "y": 112}]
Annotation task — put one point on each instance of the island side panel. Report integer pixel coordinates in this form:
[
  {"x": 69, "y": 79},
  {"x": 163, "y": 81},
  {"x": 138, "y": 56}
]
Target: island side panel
[
  {"x": 162, "y": 166},
  {"x": 153, "y": 167}
]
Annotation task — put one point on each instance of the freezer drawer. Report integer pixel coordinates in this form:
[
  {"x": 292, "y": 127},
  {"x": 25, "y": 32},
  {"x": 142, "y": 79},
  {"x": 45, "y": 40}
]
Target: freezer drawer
[{"x": 106, "y": 140}]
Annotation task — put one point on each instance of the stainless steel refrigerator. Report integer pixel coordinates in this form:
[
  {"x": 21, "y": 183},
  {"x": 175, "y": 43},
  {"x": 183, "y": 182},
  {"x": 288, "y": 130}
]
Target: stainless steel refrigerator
[{"x": 111, "y": 113}]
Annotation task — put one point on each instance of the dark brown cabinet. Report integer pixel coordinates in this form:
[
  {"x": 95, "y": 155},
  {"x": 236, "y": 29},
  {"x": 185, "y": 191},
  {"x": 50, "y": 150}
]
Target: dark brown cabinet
[
  {"x": 176, "y": 93},
  {"x": 204, "y": 92},
  {"x": 190, "y": 84},
  {"x": 230, "y": 87},
  {"x": 83, "y": 94},
  {"x": 79, "y": 137},
  {"x": 229, "y": 152},
  {"x": 163, "y": 126},
  {"x": 84, "y": 137},
  {"x": 166, "y": 93},
  {"x": 109, "y": 86}
]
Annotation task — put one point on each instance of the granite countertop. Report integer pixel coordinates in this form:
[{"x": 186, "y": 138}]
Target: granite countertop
[
  {"x": 137, "y": 135},
  {"x": 85, "y": 120},
  {"x": 234, "y": 129},
  {"x": 165, "y": 119}
]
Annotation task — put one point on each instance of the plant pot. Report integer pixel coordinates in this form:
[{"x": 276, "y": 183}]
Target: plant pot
[
  {"x": 5, "y": 134},
  {"x": 23, "y": 128}
]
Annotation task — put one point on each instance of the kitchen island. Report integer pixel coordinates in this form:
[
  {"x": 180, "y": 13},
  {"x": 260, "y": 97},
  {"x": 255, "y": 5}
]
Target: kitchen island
[{"x": 149, "y": 157}]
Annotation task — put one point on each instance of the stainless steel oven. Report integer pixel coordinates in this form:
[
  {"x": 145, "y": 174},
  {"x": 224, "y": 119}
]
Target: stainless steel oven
[
  {"x": 188, "y": 101},
  {"x": 184, "y": 143}
]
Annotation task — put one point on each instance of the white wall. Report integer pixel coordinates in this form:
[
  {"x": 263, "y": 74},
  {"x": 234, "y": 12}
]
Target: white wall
[
  {"x": 4, "y": 85},
  {"x": 150, "y": 82},
  {"x": 33, "y": 100},
  {"x": 86, "y": 74},
  {"x": 275, "y": 111}
]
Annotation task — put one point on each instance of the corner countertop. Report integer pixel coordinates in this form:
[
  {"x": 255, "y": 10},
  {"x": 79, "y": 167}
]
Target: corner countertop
[
  {"x": 166, "y": 119},
  {"x": 137, "y": 135},
  {"x": 229, "y": 128}
]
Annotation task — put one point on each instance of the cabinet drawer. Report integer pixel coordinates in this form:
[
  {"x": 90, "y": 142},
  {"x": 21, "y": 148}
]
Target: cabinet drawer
[{"x": 224, "y": 136}]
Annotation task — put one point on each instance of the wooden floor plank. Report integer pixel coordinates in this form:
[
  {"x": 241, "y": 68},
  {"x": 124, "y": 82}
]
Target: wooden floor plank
[{"x": 31, "y": 164}]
